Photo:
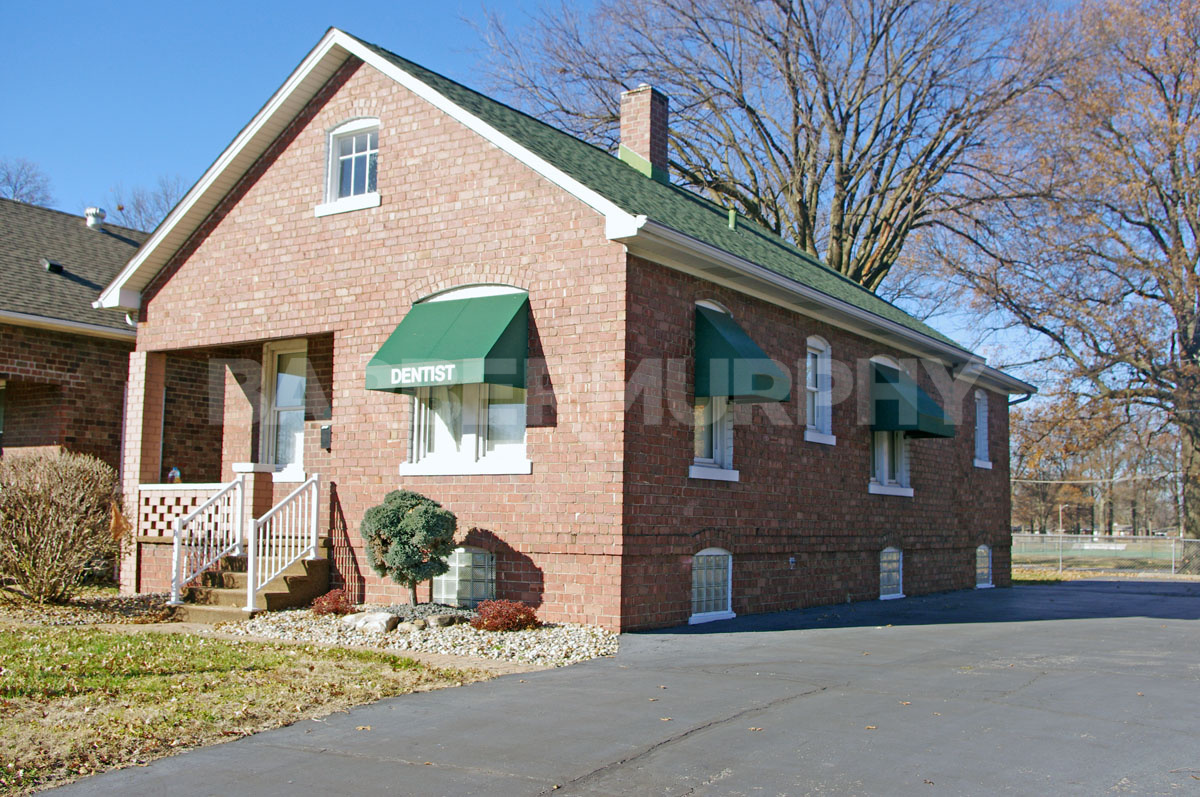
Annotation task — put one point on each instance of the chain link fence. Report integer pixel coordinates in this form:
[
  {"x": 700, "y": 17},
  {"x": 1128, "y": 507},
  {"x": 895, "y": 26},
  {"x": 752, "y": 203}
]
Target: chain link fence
[{"x": 1148, "y": 555}]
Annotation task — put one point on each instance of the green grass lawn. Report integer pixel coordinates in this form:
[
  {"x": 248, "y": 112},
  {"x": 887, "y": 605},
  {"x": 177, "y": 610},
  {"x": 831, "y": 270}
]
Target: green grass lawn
[{"x": 78, "y": 701}]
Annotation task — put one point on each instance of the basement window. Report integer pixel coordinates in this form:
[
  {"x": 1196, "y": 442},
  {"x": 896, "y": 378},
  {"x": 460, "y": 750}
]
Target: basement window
[
  {"x": 891, "y": 573},
  {"x": 712, "y": 586},
  {"x": 983, "y": 567},
  {"x": 352, "y": 169},
  {"x": 470, "y": 579}
]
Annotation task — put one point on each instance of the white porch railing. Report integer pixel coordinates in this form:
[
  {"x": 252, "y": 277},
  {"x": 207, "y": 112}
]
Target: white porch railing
[
  {"x": 204, "y": 535},
  {"x": 285, "y": 534}
]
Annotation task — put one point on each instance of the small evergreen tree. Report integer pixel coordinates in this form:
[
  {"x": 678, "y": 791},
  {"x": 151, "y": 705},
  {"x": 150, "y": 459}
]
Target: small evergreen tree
[{"x": 408, "y": 538}]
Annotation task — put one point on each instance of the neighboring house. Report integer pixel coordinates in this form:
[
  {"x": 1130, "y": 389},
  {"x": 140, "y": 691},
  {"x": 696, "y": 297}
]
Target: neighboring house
[
  {"x": 643, "y": 410},
  {"x": 62, "y": 362}
]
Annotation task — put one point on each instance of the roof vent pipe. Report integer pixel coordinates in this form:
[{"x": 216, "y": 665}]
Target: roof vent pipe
[{"x": 95, "y": 218}]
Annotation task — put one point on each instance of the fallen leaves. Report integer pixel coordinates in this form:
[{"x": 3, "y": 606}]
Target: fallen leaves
[{"x": 363, "y": 728}]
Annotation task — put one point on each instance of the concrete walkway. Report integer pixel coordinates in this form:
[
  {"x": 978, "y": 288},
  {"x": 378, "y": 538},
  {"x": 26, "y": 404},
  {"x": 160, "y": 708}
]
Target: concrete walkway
[{"x": 1081, "y": 688}]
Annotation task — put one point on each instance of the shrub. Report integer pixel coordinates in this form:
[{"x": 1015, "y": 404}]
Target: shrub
[
  {"x": 504, "y": 616},
  {"x": 408, "y": 538},
  {"x": 336, "y": 601},
  {"x": 59, "y": 516}
]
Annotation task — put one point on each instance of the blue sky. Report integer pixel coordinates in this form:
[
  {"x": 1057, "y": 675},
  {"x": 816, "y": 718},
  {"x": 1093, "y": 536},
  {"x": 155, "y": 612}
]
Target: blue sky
[{"x": 101, "y": 94}]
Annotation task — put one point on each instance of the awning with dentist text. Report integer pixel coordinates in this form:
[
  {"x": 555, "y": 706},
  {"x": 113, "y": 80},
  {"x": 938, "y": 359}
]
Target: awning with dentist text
[
  {"x": 455, "y": 342},
  {"x": 729, "y": 363},
  {"x": 900, "y": 405}
]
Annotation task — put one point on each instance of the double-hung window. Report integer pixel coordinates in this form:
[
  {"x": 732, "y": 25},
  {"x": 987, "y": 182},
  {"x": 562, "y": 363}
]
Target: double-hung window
[
  {"x": 285, "y": 371},
  {"x": 352, "y": 169},
  {"x": 889, "y": 464},
  {"x": 982, "y": 457},
  {"x": 712, "y": 442},
  {"x": 818, "y": 393},
  {"x": 473, "y": 428}
]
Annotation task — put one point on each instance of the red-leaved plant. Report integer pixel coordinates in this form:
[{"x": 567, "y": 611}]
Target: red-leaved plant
[
  {"x": 336, "y": 601},
  {"x": 504, "y": 616}
]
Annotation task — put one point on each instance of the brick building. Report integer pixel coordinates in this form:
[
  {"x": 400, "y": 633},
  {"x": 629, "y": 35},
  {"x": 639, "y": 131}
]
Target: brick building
[
  {"x": 62, "y": 362},
  {"x": 643, "y": 410}
]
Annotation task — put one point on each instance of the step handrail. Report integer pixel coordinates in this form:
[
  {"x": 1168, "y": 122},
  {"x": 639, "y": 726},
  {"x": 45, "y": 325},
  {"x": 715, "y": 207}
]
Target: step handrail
[
  {"x": 205, "y": 535},
  {"x": 292, "y": 520}
]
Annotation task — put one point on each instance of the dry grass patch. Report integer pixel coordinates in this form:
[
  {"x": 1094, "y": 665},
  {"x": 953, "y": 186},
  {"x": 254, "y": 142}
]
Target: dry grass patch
[{"x": 79, "y": 701}]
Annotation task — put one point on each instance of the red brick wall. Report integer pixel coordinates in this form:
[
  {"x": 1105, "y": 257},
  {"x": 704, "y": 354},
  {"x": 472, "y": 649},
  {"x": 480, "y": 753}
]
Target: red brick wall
[
  {"x": 64, "y": 390},
  {"x": 191, "y": 422},
  {"x": 794, "y": 498},
  {"x": 455, "y": 211}
]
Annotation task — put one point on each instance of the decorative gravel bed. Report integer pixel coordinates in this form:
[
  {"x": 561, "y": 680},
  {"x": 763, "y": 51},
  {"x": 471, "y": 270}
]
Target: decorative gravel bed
[{"x": 551, "y": 645}]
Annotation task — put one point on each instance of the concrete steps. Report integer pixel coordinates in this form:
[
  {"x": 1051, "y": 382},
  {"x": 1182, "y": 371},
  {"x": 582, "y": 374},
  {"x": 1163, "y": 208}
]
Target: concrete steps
[{"x": 220, "y": 593}]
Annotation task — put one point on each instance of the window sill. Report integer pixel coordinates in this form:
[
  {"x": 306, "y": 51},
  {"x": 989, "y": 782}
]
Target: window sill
[
  {"x": 984, "y": 586},
  {"x": 893, "y": 597},
  {"x": 983, "y": 463},
  {"x": 875, "y": 488},
  {"x": 712, "y": 473},
  {"x": 288, "y": 476},
  {"x": 709, "y": 617},
  {"x": 483, "y": 467},
  {"x": 813, "y": 436},
  {"x": 348, "y": 203}
]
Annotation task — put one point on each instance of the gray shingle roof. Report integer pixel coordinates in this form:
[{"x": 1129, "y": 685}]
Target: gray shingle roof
[
  {"x": 671, "y": 205},
  {"x": 90, "y": 260}
]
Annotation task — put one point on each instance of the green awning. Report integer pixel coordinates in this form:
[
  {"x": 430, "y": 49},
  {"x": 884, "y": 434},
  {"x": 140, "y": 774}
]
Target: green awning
[
  {"x": 730, "y": 364},
  {"x": 900, "y": 405},
  {"x": 455, "y": 342}
]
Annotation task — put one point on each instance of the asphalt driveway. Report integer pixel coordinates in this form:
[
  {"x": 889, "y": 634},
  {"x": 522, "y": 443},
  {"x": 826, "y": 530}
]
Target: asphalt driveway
[{"x": 1080, "y": 688}]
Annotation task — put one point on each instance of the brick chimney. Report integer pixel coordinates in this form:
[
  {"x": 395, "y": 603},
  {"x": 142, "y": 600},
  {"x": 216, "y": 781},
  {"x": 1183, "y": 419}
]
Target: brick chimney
[{"x": 644, "y": 131}]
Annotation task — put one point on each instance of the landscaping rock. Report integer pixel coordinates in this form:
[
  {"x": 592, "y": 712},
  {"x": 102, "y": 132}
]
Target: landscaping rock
[
  {"x": 443, "y": 620},
  {"x": 406, "y": 628},
  {"x": 420, "y": 624},
  {"x": 378, "y": 622}
]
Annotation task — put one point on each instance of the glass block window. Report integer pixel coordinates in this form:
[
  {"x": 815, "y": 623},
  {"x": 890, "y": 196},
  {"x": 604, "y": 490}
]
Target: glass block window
[
  {"x": 470, "y": 579},
  {"x": 983, "y": 566},
  {"x": 712, "y": 577},
  {"x": 891, "y": 573}
]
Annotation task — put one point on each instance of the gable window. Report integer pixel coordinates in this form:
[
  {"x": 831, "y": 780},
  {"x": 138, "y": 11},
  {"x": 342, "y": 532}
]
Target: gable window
[
  {"x": 891, "y": 573},
  {"x": 712, "y": 586},
  {"x": 982, "y": 457},
  {"x": 351, "y": 172},
  {"x": 285, "y": 367},
  {"x": 983, "y": 567},
  {"x": 470, "y": 579},
  {"x": 819, "y": 394}
]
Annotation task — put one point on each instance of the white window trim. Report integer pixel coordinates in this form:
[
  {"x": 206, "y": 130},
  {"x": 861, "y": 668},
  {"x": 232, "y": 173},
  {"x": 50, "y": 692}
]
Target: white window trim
[
  {"x": 819, "y": 422},
  {"x": 900, "y": 583},
  {"x": 991, "y": 582},
  {"x": 333, "y": 204},
  {"x": 347, "y": 203},
  {"x": 472, "y": 459},
  {"x": 725, "y": 614},
  {"x": 900, "y": 485},
  {"x": 812, "y": 436},
  {"x": 271, "y": 351},
  {"x": 982, "y": 443},
  {"x": 718, "y": 468}
]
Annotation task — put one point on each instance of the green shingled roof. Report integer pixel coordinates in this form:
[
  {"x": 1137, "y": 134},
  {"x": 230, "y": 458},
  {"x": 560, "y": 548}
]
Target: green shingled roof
[
  {"x": 90, "y": 260},
  {"x": 670, "y": 205}
]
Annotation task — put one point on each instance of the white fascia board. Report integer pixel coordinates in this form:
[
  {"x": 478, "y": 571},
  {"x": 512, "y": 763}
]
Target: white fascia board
[
  {"x": 71, "y": 327},
  {"x": 614, "y": 216},
  {"x": 124, "y": 292}
]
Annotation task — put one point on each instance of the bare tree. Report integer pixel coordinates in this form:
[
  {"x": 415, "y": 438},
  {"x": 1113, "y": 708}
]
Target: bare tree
[
  {"x": 143, "y": 208},
  {"x": 842, "y": 125},
  {"x": 1101, "y": 258},
  {"x": 24, "y": 181}
]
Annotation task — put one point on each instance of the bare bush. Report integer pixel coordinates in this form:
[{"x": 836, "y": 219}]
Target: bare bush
[{"x": 56, "y": 521}]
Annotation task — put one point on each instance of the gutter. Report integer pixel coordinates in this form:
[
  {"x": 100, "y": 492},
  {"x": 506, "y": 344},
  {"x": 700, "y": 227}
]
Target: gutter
[{"x": 61, "y": 325}]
